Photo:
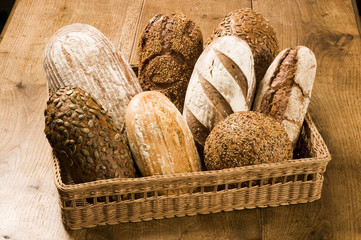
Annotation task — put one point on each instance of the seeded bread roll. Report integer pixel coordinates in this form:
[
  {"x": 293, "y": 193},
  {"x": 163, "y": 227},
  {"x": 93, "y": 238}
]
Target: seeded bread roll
[
  {"x": 82, "y": 56},
  {"x": 84, "y": 137},
  {"x": 246, "y": 138},
  {"x": 223, "y": 82},
  {"x": 251, "y": 26},
  {"x": 285, "y": 91},
  {"x": 158, "y": 136},
  {"x": 168, "y": 50}
]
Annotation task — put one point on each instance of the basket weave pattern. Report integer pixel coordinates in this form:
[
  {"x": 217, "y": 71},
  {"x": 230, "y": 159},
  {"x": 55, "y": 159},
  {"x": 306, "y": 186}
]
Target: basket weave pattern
[{"x": 114, "y": 201}]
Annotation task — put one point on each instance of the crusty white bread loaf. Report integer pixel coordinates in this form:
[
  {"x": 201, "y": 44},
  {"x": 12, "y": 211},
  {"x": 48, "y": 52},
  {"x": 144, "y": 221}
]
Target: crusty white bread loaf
[
  {"x": 285, "y": 91},
  {"x": 159, "y": 138},
  {"x": 222, "y": 82},
  {"x": 82, "y": 56}
]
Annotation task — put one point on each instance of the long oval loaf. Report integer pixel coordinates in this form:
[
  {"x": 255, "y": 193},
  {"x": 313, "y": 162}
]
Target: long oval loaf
[
  {"x": 223, "y": 82},
  {"x": 84, "y": 138},
  {"x": 168, "y": 49},
  {"x": 80, "y": 55},
  {"x": 285, "y": 91},
  {"x": 159, "y": 138}
]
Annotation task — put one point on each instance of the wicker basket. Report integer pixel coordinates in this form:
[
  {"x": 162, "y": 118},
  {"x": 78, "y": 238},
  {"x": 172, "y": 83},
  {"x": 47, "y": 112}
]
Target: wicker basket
[{"x": 138, "y": 199}]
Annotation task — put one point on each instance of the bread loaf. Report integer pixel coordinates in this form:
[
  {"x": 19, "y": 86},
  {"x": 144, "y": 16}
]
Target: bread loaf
[
  {"x": 80, "y": 55},
  {"x": 168, "y": 50},
  {"x": 158, "y": 136},
  {"x": 84, "y": 138},
  {"x": 246, "y": 138},
  {"x": 285, "y": 91},
  {"x": 254, "y": 28},
  {"x": 222, "y": 82}
]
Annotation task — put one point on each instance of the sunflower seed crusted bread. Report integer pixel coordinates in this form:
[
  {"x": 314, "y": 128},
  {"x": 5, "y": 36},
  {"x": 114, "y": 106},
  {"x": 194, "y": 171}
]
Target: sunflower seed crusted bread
[
  {"x": 254, "y": 28},
  {"x": 80, "y": 55},
  {"x": 167, "y": 52},
  {"x": 285, "y": 91},
  {"x": 84, "y": 137},
  {"x": 223, "y": 82}
]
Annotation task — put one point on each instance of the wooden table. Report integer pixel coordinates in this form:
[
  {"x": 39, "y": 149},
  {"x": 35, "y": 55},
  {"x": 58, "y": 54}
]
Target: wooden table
[{"x": 29, "y": 201}]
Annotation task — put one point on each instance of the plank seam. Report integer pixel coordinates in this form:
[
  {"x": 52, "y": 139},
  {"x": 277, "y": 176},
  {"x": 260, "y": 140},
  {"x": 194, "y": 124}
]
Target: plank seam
[
  {"x": 357, "y": 16},
  {"x": 136, "y": 31},
  {"x": 16, "y": 3}
]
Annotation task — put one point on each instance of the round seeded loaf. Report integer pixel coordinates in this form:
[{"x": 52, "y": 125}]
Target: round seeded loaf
[
  {"x": 168, "y": 49},
  {"x": 254, "y": 28},
  {"x": 84, "y": 138},
  {"x": 246, "y": 138}
]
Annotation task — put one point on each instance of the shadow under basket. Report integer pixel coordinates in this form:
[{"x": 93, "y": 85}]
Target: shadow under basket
[{"x": 114, "y": 201}]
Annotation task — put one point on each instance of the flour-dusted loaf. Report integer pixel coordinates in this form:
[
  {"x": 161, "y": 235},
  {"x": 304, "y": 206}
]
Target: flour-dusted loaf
[
  {"x": 223, "y": 82},
  {"x": 80, "y": 55},
  {"x": 285, "y": 91},
  {"x": 168, "y": 49},
  {"x": 84, "y": 138},
  {"x": 159, "y": 137},
  {"x": 246, "y": 138},
  {"x": 254, "y": 28}
]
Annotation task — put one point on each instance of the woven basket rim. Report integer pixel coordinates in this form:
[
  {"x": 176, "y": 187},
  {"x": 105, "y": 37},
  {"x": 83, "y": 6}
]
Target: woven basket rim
[
  {"x": 212, "y": 173},
  {"x": 303, "y": 162}
]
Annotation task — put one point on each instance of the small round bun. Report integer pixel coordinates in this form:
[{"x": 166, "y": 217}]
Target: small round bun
[
  {"x": 254, "y": 28},
  {"x": 246, "y": 138}
]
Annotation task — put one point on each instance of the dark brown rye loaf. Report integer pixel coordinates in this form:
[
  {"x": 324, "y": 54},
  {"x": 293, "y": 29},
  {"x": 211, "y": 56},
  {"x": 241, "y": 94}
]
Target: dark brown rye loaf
[{"x": 168, "y": 49}]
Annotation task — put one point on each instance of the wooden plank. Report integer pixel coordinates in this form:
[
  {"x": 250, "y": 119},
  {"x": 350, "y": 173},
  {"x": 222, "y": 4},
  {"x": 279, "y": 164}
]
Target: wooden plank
[
  {"x": 243, "y": 224},
  {"x": 329, "y": 29},
  {"x": 29, "y": 200}
]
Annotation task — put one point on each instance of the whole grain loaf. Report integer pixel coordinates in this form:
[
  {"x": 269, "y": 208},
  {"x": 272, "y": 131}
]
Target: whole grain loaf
[
  {"x": 168, "y": 49},
  {"x": 246, "y": 138}
]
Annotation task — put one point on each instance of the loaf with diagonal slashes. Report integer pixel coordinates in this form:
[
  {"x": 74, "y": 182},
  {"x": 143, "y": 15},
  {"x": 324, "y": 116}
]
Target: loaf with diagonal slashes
[{"x": 222, "y": 82}]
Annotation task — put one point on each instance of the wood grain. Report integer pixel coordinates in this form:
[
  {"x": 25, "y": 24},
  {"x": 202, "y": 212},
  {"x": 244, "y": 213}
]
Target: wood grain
[
  {"x": 29, "y": 201},
  {"x": 328, "y": 28},
  {"x": 219, "y": 226}
]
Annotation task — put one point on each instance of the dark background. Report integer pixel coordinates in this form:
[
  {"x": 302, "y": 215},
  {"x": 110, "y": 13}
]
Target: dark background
[{"x": 7, "y": 5}]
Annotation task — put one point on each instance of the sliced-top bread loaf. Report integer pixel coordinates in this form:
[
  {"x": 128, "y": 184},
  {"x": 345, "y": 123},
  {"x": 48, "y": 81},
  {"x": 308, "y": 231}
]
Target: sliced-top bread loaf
[
  {"x": 223, "y": 82},
  {"x": 80, "y": 55}
]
